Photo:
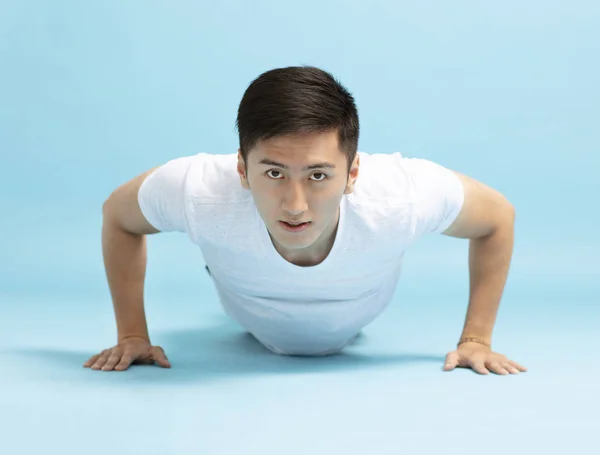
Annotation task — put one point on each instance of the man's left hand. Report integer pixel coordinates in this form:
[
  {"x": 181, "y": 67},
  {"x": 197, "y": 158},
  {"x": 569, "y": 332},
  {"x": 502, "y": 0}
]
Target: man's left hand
[{"x": 481, "y": 359}]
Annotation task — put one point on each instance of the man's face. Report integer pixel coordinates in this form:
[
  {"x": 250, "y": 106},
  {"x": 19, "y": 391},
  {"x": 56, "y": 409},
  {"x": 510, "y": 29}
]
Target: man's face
[{"x": 299, "y": 178}]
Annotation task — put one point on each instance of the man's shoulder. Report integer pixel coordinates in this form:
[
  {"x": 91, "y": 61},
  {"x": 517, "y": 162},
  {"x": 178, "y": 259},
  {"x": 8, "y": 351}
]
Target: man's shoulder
[
  {"x": 382, "y": 177},
  {"x": 213, "y": 178},
  {"x": 214, "y": 161}
]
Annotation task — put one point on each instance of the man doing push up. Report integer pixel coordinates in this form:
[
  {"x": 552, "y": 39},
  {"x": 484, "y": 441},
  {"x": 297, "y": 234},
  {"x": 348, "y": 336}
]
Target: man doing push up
[{"x": 302, "y": 234}]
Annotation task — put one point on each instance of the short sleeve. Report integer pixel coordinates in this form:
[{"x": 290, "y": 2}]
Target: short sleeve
[
  {"x": 161, "y": 196},
  {"x": 439, "y": 195}
]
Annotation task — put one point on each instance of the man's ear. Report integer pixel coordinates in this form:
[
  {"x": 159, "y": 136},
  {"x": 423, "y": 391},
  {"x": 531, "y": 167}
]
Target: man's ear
[
  {"x": 241, "y": 169},
  {"x": 353, "y": 175}
]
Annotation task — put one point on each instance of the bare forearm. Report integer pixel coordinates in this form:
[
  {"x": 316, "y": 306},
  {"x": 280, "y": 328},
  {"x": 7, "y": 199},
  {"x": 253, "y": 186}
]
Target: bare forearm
[
  {"x": 125, "y": 265},
  {"x": 489, "y": 263}
]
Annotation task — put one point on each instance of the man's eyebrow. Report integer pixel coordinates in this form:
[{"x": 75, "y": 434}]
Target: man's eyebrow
[{"x": 323, "y": 164}]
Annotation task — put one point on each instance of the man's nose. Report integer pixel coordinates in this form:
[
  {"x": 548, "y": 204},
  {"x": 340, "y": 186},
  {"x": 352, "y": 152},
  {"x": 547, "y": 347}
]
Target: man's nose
[{"x": 294, "y": 200}]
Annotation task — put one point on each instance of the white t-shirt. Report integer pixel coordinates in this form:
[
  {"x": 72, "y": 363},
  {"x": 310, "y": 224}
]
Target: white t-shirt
[{"x": 303, "y": 310}]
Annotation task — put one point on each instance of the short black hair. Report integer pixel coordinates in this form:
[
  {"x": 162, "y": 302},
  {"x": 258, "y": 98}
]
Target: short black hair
[{"x": 297, "y": 100}]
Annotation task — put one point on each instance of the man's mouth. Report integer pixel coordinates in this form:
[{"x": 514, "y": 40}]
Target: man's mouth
[{"x": 295, "y": 226}]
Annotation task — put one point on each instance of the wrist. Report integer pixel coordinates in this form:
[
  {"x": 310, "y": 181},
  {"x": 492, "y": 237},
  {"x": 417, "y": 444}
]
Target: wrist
[
  {"x": 477, "y": 332},
  {"x": 122, "y": 338},
  {"x": 475, "y": 339}
]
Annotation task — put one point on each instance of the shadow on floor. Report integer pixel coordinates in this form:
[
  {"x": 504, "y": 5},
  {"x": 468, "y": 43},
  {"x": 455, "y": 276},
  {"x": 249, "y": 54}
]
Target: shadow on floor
[{"x": 214, "y": 353}]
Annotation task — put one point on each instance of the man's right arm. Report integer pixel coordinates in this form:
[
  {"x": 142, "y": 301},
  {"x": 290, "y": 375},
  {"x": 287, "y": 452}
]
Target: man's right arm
[
  {"x": 124, "y": 230},
  {"x": 152, "y": 202}
]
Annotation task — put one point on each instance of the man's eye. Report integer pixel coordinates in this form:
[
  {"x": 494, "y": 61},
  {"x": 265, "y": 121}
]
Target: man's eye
[
  {"x": 272, "y": 170},
  {"x": 321, "y": 174}
]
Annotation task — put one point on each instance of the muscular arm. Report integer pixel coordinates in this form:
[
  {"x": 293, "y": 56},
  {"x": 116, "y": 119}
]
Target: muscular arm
[
  {"x": 124, "y": 251},
  {"x": 487, "y": 220}
]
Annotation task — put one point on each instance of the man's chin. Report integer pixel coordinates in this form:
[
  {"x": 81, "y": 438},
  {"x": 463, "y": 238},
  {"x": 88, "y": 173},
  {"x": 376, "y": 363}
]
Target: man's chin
[
  {"x": 290, "y": 241},
  {"x": 293, "y": 244}
]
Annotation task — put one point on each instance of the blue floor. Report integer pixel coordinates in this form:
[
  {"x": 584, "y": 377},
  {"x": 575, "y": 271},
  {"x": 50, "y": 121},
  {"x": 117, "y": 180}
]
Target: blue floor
[{"x": 226, "y": 394}]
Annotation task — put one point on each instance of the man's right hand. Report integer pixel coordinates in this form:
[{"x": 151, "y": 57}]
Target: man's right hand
[{"x": 134, "y": 350}]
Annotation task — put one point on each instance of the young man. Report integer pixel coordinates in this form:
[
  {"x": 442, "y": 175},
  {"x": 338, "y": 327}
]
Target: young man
[{"x": 302, "y": 234}]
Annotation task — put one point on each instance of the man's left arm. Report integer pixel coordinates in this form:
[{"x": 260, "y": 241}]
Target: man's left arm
[{"x": 487, "y": 219}]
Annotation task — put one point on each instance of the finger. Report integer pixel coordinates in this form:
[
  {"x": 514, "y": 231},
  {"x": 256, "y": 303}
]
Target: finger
[
  {"x": 112, "y": 360},
  {"x": 518, "y": 366},
  {"x": 479, "y": 367},
  {"x": 511, "y": 369},
  {"x": 497, "y": 368},
  {"x": 159, "y": 356},
  {"x": 101, "y": 360},
  {"x": 125, "y": 362},
  {"x": 451, "y": 361},
  {"x": 91, "y": 361}
]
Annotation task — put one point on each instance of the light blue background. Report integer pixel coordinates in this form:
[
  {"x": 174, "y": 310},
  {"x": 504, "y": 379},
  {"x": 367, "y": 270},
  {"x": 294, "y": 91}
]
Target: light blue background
[{"x": 93, "y": 94}]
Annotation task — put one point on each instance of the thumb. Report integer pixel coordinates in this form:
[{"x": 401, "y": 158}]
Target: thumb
[
  {"x": 451, "y": 361},
  {"x": 158, "y": 355}
]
